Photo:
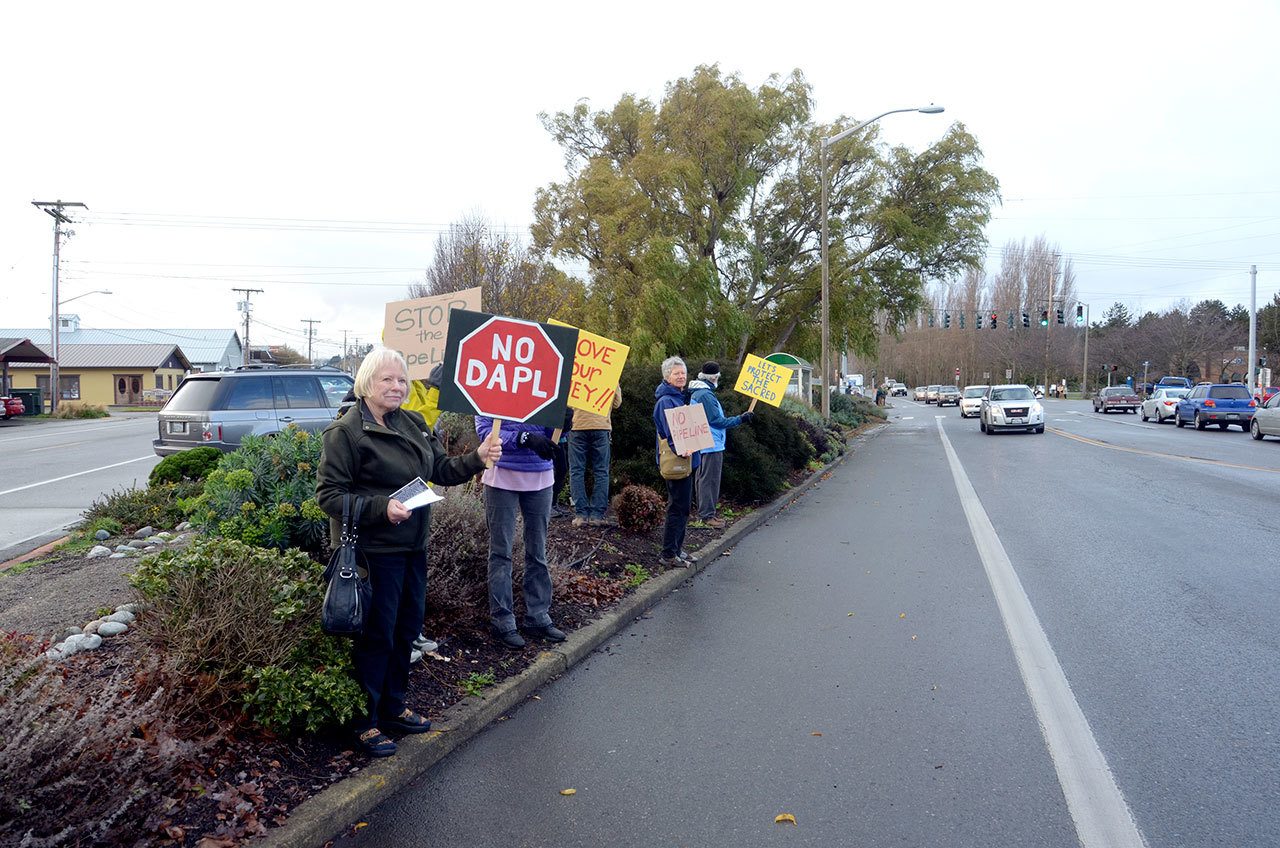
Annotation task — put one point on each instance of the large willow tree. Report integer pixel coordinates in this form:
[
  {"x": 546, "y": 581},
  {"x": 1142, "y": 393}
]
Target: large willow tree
[{"x": 700, "y": 220}]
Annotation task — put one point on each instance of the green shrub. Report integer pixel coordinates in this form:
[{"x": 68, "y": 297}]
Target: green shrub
[
  {"x": 158, "y": 506},
  {"x": 238, "y": 627},
  {"x": 113, "y": 527},
  {"x": 854, "y": 410},
  {"x": 264, "y": 494},
  {"x": 458, "y": 554},
  {"x": 457, "y": 433},
  {"x": 639, "y": 509},
  {"x": 194, "y": 464},
  {"x": 80, "y": 410}
]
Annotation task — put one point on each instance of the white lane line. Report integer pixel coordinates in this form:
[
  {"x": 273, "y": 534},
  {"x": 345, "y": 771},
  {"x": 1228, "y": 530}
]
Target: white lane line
[
  {"x": 77, "y": 474},
  {"x": 1101, "y": 815},
  {"x": 55, "y": 447}
]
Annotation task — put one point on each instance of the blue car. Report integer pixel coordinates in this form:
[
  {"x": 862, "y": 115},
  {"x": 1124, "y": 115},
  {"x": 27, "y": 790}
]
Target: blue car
[{"x": 1223, "y": 404}]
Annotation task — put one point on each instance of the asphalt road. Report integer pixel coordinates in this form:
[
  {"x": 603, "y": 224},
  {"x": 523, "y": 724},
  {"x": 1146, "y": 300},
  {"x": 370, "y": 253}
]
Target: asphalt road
[
  {"x": 957, "y": 640},
  {"x": 51, "y": 471}
]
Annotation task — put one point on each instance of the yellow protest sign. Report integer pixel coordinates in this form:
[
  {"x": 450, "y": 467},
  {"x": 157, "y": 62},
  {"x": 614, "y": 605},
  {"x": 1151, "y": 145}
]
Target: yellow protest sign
[
  {"x": 763, "y": 380},
  {"x": 418, "y": 328},
  {"x": 597, "y": 368}
]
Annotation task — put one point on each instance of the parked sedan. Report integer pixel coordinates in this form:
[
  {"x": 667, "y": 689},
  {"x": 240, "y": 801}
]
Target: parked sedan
[
  {"x": 1223, "y": 404},
  {"x": 921, "y": 393},
  {"x": 1266, "y": 420},
  {"x": 1116, "y": 399},
  {"x": 1011, "y": 407},
  {"x": 11, "y": 407},
  {"x": 948, "y": 395},
  {"x": 1162, "y": 405},
  {"x": 971, "y": 401}
]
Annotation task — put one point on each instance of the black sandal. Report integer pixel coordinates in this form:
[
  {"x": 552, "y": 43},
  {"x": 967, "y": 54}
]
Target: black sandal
[
  {"x": 375, "y": 743},
  {"x": 408, "y": 722}
]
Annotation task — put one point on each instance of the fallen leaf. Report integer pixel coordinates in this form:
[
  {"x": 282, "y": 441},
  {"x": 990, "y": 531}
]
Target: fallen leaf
[
  {"x": 785, "y": 817},
  {"x": 815, "y": 733},
  {"x": 913, "y": 637},
  {"x": 850, "y": 615},
  {"x": 902, "y": 615},
  {"x": 537, "y": 697},
  {"x": 359, "y": 825},
  {"x": 568, "y": 792}
]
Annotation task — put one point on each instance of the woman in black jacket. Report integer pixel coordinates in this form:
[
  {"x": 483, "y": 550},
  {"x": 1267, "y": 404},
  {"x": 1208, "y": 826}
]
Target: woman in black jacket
[{"x": 372, "y": 450}]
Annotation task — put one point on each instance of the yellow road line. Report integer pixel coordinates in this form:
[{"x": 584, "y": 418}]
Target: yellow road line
[{"x": 1217, "y": 462}]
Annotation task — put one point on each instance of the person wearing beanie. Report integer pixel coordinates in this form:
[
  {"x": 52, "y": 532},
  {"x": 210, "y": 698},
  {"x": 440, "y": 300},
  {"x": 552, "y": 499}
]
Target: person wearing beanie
[{"x": 703, "y": 391}]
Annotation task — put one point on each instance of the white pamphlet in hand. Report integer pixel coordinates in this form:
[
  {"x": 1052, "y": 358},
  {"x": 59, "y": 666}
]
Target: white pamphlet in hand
[{"x": 415, "y": 493}]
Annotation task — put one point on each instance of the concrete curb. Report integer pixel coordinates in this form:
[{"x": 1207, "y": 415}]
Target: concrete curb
[{"x": 325, "y": 815}]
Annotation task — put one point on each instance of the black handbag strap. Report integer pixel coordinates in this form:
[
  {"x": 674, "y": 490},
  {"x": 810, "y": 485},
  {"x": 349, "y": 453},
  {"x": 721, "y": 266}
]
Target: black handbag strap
[{"x": 351, "y": 519}]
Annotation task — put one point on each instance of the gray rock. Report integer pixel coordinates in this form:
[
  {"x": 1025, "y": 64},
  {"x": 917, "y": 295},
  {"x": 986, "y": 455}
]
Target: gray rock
[
  {"x": 137, "y": 543},
  {"x": 54, "y": 655},
  {"x": 72, "y": 631},
  {"x": 102, "y": 535},
  {"x": 164, "y": 535},
  {"x": 180, "y": 538},
  {"x": 118, "y": 555},
  {"x": 122, "y": 616},
  {"x": 112, "y": 628},
  {"x": 121, "y": 549},
  {"x": 91, "y": 642},
  {"x": 150, "y": 548},
  {"x": 92, "y": 627},
  {"x": 186, "y": 525},
  {"x": 133, "y": 608},
  {"x": 144, "y": 532},
  {"x": 155, "y": 540},
  {"x": 98, "y": 552}
]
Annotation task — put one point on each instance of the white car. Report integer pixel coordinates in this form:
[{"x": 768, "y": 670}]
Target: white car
[
  {"x": 971, "y": 401},
  {"x": 1266, "y": 420},
  {"x": 1010, "y": 407},
  {"x": 897, "y": 390},
  {"x": 921, "y": 392},
  {"x": 1162, "y": 405}
]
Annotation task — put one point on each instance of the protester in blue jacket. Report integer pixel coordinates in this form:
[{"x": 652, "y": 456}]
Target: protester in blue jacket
[
  {"x": 520, "y": 482},
  {"x": 712, "y": 460},
  {"x": 670, "y": 394}
]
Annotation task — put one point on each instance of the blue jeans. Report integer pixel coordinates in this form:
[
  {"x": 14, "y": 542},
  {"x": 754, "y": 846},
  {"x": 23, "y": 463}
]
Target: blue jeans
[
  {"x": 500, "y": 509},
  {"x": 381, "y": 655},
  {"x": 589, "y": 448}
]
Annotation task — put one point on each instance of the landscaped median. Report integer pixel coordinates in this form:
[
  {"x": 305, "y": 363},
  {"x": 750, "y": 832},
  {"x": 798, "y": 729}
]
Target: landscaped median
[
  {"x": 217, "y": 713},
  {"x": 325, "y": 815}
]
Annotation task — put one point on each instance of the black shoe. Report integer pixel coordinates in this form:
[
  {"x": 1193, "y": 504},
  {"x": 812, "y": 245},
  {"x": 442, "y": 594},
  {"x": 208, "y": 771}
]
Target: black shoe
[
  {"x": 407, "y": 722},
  {"x": 510, "y": 638},
  {"x": 375, "y": 743},
  {"x": 546, "y": 632}
]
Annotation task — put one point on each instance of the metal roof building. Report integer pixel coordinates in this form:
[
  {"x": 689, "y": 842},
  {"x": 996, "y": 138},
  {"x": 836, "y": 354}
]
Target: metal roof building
[{"x": 207, "y": 350}]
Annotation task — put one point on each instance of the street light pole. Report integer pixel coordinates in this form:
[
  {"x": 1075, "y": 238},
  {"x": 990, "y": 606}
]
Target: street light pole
[
  {"x": 826, "y": 285},
  {"x": 1084, "y": 375}
]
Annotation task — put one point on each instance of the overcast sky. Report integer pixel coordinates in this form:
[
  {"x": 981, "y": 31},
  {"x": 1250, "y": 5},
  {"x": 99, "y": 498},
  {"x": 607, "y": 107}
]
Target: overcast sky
[{"x": 1141, "y": 138}]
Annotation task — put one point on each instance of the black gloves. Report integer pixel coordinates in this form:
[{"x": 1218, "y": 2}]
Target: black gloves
[
  {"x": 746, "y": 417},
  {"x": 540, "y": 445}
]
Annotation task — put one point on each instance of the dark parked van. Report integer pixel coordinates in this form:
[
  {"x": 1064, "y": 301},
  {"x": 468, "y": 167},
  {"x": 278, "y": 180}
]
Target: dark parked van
[{"x": 219, "y": 408}]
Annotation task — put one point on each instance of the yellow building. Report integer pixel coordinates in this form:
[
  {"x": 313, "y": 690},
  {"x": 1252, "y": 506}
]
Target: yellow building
[{"x": 108, "y": 374}]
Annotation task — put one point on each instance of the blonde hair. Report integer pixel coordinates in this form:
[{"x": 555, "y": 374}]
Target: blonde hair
[{"x": 378, "y": 358}]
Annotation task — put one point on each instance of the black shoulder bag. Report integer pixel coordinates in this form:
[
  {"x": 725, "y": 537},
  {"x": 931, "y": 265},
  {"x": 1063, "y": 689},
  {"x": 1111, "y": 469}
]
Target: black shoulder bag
[{"x": 349, "y": 593}]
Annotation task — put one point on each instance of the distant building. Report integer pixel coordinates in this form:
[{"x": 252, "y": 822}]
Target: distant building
[
  {"x": 206, "y": 350},
  {"x": 108, "y": 374}
]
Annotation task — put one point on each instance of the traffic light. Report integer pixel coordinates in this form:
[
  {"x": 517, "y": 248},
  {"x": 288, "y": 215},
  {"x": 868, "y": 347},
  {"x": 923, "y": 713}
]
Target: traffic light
[
  {"x": 1026, "y": 320},
  {"x": 946, "y": 320},
  {"x": 995, "y": 321},
  {"x": 1010, "y": 324},
  {"x": 930, "y": 319},
  {"x": 1060, "y": 321},
  {"x": 1044, "y": 317},
  {"x": 979, "y": 321},
  {"x": 962, "y": 320},
  {"x": 1079, "y": 314}
]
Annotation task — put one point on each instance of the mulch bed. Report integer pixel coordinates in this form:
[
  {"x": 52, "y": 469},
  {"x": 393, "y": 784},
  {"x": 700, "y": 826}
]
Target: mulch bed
[{"x": 247, "y": 780}]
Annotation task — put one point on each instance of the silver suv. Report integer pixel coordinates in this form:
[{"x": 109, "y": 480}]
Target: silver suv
[{"x": 218, "y": 408}]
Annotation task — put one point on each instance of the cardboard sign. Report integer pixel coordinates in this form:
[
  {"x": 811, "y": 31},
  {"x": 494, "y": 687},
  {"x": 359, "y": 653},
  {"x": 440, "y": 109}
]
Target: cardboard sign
[
  {"x": 689, "y": 428},
  {"x": 597, "y": 368},
  {"x": 507, "y": 368},
  {"x": 417, "y": 328},
  {"x": 763, "y": 380}
]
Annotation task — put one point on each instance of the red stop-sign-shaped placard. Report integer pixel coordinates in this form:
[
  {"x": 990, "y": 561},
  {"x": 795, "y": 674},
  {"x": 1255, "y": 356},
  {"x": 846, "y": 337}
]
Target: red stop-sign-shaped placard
[{"x": 508, "y": 368}]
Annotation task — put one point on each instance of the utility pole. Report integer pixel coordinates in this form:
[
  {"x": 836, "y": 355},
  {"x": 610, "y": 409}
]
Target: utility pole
[
  {"x": 344, "y": 350},
  {"x": 1048, "y": 324},
  {"x": 1253, "y": 328},
  {"x": 1084, "y": 375},
  {"x": 53, "y": 208},
  {"x": 311, "y": 332},
  {"x": 246, "y": 307}
]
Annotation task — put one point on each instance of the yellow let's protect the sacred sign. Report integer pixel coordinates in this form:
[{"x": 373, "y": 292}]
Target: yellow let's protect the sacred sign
[
  {"x": 597, "y": 368},
  {"x": 763, "y": 380}
]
